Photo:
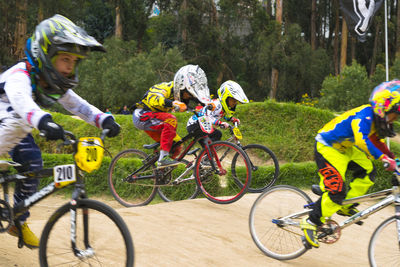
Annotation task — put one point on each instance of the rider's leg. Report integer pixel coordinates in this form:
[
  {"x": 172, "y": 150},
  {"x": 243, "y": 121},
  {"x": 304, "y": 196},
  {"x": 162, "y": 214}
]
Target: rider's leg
[
  {"x": 28, "y": 154},
  {"x": 364, "y": 174},
  {"x": 161, "y": 127},
  {"x": 332, "y": 166}
]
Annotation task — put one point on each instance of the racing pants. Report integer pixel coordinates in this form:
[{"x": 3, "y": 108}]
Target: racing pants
[
  {"x": 332, "y": 166},
  {"x": 160, "y": 126}
]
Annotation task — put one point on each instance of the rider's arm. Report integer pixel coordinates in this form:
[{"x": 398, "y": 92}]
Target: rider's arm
[
  {"x": 18, "y": 89},
  {"x": 381, "y": 145},
  {"x": 361, "y": 126},
  {"x": 160, "y": 97},
  {"x": 80, "y": 107}
]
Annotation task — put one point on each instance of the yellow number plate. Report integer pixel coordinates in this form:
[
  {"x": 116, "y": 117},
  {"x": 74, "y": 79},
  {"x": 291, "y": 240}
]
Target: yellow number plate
[
  {"x": 90, "y": 153},
  {"x": 237, "y": 133}
]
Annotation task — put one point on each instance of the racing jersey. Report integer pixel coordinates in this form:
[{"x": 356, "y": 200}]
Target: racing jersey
[
  {"x": 355, "y": 127},
  {"x": 158, "y": 98},
  {"x": 215, "y": 114},
  {"x": 16, "y": 96}
]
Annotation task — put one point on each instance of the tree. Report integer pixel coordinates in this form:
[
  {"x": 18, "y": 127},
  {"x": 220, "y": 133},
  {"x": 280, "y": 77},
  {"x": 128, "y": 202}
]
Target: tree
[
  {"x": 20, "y": 29},
  {"x": 275, "y": 72}
]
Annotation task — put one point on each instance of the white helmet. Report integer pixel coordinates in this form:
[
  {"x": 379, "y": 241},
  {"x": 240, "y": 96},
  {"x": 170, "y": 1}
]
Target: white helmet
[
  {"x": 193, "y": 79},
  {"x": 234, "y": 90}
]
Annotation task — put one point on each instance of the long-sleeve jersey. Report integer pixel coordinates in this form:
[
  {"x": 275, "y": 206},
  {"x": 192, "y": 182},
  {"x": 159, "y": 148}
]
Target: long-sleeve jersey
[
  {"x": 158, "y": 98},
  {"x": 215, "y": 114},
  {"x": 355, "y": 127},
  {"x": 16, "y": 95}
]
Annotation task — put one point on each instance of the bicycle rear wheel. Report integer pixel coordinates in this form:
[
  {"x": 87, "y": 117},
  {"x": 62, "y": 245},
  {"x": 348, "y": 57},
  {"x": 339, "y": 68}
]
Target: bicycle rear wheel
[
  {"x": 264, "y": 167},
  {"x": 384, "y": 246},
  {"x": 108, "y": 243},
  {"x": 127, "y": 190},
  {"x": 185, "y": 189},
  {"x": 278, "y": 238},
  {"x": 219, "y": 185}
]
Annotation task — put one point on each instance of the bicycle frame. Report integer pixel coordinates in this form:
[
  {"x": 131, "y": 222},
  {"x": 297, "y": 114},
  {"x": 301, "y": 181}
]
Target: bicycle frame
[
  {"x": 389, "y": 196},
  {"x": 78, "y": 193},
  {"x": 148, "y": 162}
]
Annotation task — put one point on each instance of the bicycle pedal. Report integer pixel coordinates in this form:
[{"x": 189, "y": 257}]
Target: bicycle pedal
[
  {"x": 360, "y": 223},
  {"x": 305, "y": 243}
]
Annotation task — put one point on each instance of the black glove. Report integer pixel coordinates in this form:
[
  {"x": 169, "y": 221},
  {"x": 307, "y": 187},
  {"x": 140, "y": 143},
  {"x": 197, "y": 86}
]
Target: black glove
[
  {"x": 51, "y": 130},
  {"x": 110, "y": 124}
]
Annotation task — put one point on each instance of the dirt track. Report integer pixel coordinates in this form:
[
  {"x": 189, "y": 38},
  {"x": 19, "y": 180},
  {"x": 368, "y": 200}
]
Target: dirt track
[{"x": 201, "y": 233}]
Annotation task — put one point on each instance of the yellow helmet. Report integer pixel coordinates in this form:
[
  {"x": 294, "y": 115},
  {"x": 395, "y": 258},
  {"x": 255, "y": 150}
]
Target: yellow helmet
[{"x": 234, "y": 90}]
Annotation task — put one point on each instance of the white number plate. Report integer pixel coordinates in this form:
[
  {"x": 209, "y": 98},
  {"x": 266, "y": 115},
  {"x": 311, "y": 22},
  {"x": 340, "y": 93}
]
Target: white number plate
[{"x": 64, "y": 174}]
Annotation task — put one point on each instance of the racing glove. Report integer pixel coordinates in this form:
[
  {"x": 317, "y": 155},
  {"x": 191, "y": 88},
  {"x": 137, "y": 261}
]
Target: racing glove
[
  {"x": 179, "y": 106},
  {"x": 50, "y": 129},
  {"x": 223, "y": 125},
  {"x": 110, "y": 124},
  {"x": 235, "y": 120},
  {"x": 391, "y": 163}
]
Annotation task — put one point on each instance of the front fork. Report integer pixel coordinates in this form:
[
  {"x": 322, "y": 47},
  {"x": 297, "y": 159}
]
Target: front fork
[
  {"x": 212, "y": 154},
  {"x": 79, "y": 193}
]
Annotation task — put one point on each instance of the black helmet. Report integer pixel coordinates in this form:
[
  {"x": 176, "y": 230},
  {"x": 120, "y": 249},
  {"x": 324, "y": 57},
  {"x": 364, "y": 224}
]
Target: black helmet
[{"x": 53, "y": 35}]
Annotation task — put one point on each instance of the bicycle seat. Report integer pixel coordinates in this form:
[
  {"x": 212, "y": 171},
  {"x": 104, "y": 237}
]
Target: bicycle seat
[
  {"x": 316, "y": 190},
  {"x": 5, "y": 164},
  {"x": 152, "y": 146}
]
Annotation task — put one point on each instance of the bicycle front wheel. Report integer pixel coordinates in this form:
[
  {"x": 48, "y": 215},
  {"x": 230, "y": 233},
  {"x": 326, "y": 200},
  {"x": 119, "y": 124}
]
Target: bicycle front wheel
[
  {"x": 219, "y": 185},
  {"x": 275, "y": 232},
  {"x": 264, "y": 167},
  {"x": 129, "y": 190},
  {"x": 384, "y": 246},
  {"x": 182, "y": 186},
  {"x": 106, "y": 241}
]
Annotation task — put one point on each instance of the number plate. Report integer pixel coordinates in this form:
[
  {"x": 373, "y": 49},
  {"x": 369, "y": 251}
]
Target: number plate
[{"x": 64, "y": 175}]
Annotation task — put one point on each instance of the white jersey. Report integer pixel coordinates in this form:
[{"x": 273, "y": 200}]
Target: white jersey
[
  {"x": 215, "y": 115},
  {"x": 19, "y": 113}
]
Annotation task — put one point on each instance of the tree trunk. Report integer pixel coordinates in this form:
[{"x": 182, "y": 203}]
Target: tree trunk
[
  {"x": 313, "y": 25},
  {"x": 20, "y": 29},
  {"x": 275, "y": 72},
  {"x": 40, "y": 15},
  {"x": 353, "y": 48},
  {"x": 118, "y": 24},
  {"x": 184, "y": 24},
  {"x": 375, "y": 49},
  {"x": 336, "y": 39},
  {"x": 343, "y": 50},
  {"x": 398, "y": 31}
]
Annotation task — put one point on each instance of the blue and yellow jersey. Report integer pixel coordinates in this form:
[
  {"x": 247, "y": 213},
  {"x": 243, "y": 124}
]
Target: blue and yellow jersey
[
  {"x": 352, "y": 128},
  {"x": 158, "y": 98}
]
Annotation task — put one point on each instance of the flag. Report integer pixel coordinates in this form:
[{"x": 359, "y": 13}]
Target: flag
[{"x": 359, "y": 14}]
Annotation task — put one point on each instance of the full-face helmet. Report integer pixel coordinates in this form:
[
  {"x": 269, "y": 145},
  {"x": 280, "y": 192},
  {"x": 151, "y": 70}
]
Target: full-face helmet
[
  {"x": 192, "y": 79},
  {"x": 231, "y": 89},
  {"x": 51, "y": 37},
  {"x": 385, "y": 99}
]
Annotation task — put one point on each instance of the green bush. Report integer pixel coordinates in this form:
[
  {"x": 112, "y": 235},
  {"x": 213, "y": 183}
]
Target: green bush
[{"x": 346, "y": 91}]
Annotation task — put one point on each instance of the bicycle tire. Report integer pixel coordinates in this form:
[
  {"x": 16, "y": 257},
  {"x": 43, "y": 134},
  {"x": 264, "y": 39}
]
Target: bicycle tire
[
  {"x": 223, "y": 188},
  {"x": 265, "y": 167},
  {"x": 274, "y": 203},
  {"x": 185, "y": 190},
  {"x": 104, "y": 223},
  {"x": 135, "y": 193},
  {"x": 383, "y": 249}
]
